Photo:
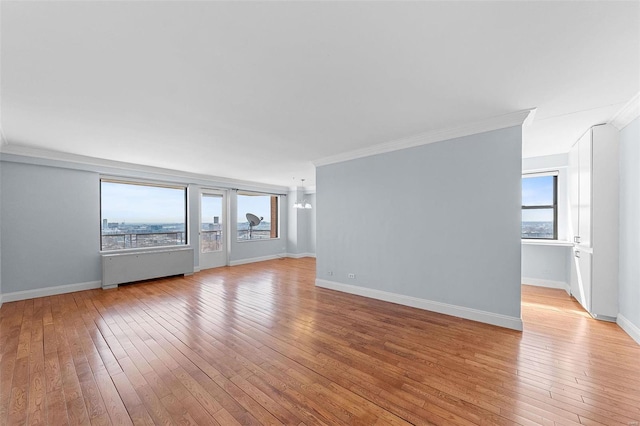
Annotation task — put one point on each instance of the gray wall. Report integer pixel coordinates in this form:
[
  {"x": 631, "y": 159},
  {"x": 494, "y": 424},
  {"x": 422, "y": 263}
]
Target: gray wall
[
  {"x": 547, "y": 266},
  {"x": 311, "y": 224},
  {"x": 51, "y": 223},
  {"x": 302, "y": 226},
  {"x": 439, "y": 222},
  {"x": 1, "y": 141},
  {"x": 629, "y": 284}
]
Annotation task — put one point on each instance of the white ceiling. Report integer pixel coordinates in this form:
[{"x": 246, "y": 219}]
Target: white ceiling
[{"x": 258, "y": 90}]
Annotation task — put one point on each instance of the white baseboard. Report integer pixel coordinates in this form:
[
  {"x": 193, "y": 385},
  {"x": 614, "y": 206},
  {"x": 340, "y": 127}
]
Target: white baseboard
[
  {"x": 630, "y": 328},
  {"x": 0, "y": 300},
  {"x": 546, "y": 283},
  {"x": 300, "y": 255},
  {"x": 256, "y": 259},
  {"x": 50, "y": 291},
  {"x": 429, "y": 305},
  {"x": 270, "y": 257}
]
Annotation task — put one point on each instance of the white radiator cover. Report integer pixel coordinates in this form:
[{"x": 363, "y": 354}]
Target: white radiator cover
[{"x": 119, "y": 268}]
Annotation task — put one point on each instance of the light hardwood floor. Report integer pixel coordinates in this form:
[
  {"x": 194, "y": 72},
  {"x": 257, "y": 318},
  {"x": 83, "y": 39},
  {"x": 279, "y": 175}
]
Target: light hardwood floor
[{"x": 260, "y": 344}]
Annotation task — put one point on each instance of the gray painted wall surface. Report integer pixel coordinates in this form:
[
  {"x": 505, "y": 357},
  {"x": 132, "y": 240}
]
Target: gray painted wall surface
[
  {"x": 1, "y": 228},
  {"x": 311, "y": 224},
  {"x": 50, "y": 227},
  {"x": 193, "y": 236},
  {"x": 301, "y": 224},
  {"x": 629, "y": 281},
  {"x": 548, "y": 263},
  {"x": 439, "y": 222},
  {"x": 292, "y": 222}
]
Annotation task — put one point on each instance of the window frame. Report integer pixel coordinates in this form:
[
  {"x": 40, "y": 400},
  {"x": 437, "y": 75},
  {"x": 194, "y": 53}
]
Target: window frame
[
  {"x": 272, "y": 222},
  {"x": 554, "y": 206},
  {"x": 148, "y": 183}
]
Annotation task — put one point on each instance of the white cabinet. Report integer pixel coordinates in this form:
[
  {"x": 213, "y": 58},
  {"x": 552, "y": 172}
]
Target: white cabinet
[
  {"x": 593, "y": 201},
  {"x": 585, "y": 167},
  {"x": 581, "y": 277}
]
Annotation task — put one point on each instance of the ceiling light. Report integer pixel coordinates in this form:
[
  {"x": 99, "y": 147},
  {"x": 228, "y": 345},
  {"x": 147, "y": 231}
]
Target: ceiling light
[{"x": 304, "y": 204}]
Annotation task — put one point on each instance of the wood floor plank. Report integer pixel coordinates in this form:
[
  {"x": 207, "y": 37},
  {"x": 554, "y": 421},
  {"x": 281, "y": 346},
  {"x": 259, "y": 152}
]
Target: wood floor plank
[{"x": 261, "y": 344}]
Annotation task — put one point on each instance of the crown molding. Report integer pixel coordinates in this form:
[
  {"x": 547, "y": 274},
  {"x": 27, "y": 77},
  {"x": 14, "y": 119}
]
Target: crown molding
[
  {"x": 311, "y": 189},
  {"x": 518, "y": 118},
  {"x": 3, "y": 140},
  {"x": 29, "y": 155},
  {"x": 629, "y": 112}
]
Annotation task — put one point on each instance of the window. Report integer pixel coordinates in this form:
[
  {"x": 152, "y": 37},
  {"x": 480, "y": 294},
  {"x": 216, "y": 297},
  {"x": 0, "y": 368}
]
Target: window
[
  {"x": 540, "y": 206},
  {"x": 139, "y": 215},
  {"x": 257, "y": 216}
]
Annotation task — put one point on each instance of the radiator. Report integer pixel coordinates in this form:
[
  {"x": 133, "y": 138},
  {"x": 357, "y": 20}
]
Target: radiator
[{"x": 119, "y": 268}]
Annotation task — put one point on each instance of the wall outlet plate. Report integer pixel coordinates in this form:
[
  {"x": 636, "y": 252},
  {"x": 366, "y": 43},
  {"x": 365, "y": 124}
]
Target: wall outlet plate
[{"x": 352, "y": 276}]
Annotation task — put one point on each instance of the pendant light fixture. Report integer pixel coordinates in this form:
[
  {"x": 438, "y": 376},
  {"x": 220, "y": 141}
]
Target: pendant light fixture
[{"x": 304, "y": 204}]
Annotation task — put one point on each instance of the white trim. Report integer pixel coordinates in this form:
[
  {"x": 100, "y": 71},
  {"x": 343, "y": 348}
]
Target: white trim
[
  {"x": 300, "y": 255},
  {"x": 113, "y": 169},
  {"x": 429, "y": 305},
  {"x": 543, "y": 242},
  {"x": 0, "y": 300},
  {"x": 528, "y": 120},
  {"x": 493, "y": 123},
  {"x": 526, "y": 175},
  {"x": 270, "y": 257},
  {"x": 537, "y": 282},
  {"x": 306, "y": 190},
  {"x": 630, "y": 328},
  {"x": 3, "y": 142},
  {"x": 50, "y": 291},
  {"x": 629, "y": 112},
  {"x": 256, "y": 259}
]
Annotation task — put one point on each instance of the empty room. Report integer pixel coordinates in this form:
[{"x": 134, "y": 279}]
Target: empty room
[{"x": 320, "y": 212}]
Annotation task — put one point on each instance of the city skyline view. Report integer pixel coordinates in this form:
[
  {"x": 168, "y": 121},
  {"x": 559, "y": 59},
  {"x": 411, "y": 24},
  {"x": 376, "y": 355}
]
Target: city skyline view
[{"x": 144, "y": 204}]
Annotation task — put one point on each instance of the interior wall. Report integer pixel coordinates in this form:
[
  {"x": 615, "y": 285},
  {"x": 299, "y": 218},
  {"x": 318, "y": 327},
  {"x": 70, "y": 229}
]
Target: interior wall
[
  {"x": 311, "y": 225},
  {"x": 193, "y": 230},
  {"x": 292, "y": 223},
  {"x": 546, "y": 266},
  {"x": 301, "y": 225},
  {"x": 51, "y": 222},
  {"x": 1, "y": 141},
  {"x": 437, "y": 223},
  {"x": 629, "y": 277}
]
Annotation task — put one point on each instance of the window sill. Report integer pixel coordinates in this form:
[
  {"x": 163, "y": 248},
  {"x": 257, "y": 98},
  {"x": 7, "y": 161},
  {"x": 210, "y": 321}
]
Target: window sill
[
  {"x": 146, "y": 250},
  {"x": 559, "y": 243}
]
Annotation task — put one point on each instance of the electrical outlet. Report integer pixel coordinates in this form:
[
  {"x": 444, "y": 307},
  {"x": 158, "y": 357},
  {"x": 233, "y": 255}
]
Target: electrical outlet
[
  {"x": 330, "y": 273},
  {"x": 352, "y": 276}
]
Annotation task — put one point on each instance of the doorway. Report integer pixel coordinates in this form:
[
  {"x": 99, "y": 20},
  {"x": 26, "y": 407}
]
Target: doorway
[{"x": 213, "y": 229}]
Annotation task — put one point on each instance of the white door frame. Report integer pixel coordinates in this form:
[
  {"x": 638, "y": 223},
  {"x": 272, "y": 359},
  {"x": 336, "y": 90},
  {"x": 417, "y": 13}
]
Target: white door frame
[{"x": 214, "y": 259}]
